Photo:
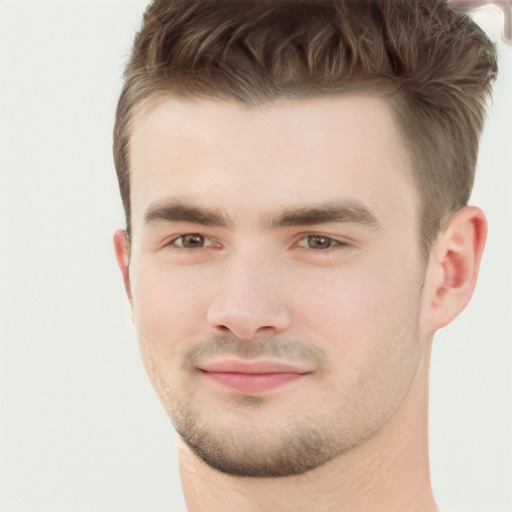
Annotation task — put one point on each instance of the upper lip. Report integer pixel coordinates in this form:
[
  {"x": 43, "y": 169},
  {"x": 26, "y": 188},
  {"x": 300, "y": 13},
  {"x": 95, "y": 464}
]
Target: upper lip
[{"x": 254, "y": 366}]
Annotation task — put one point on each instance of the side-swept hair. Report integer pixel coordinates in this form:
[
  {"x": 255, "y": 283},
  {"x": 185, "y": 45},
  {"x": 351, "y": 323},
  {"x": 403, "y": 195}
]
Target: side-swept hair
[{"x": 434, "y": 66}]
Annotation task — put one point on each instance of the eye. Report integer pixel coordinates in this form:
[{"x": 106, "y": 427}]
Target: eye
[
  {"x": 191, "y": 241},
  {"x": 319, "y": 242}
]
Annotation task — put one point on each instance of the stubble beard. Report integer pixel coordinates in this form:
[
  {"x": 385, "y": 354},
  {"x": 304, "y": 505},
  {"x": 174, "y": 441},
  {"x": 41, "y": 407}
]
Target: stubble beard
[
  {"x": 286, "y": 450},
  {"x": 313, "y": 436}
]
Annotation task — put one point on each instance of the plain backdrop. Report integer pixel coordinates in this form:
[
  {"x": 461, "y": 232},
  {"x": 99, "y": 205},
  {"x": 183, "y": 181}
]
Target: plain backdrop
[{"x": 80, "y": 427}]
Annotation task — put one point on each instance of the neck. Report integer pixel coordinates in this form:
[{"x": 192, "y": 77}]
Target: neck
[{"x": 389, "y": 472}]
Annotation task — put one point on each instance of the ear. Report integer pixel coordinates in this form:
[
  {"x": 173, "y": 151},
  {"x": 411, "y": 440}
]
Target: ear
[
  {"x": 454, "y": 265},
  {"x": 122, "y": 250}
]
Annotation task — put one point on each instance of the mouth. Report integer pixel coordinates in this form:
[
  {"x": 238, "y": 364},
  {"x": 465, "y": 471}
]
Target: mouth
[{"x": 250, "y": 376}]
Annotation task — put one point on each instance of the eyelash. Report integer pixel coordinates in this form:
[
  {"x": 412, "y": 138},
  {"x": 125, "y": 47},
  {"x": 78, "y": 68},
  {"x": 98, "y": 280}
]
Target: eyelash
[
  {"x": 172, "y": 242},
  {"x": 333, "y": 244}
]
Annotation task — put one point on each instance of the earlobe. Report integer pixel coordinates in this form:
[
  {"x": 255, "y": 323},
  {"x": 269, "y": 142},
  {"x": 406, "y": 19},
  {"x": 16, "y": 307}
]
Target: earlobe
[
  {"x": 122, "y": 250},
  {"x": 454, "y": 265}
]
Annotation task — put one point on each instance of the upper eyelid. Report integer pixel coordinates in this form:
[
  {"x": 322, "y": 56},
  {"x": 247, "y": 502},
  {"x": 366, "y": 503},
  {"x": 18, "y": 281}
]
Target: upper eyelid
[
  {"x": 173, "y": 239},
  {"x": 338, "y": 240},
  {"x": 333, "y": 246},
  {"x": 170, "y": 240}
]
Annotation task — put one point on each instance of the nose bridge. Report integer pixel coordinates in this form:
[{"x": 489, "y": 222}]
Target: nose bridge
[{"x": 248, "y": 300}]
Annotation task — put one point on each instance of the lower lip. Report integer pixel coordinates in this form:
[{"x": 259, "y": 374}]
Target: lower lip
[{"x": 253, "y": 382}]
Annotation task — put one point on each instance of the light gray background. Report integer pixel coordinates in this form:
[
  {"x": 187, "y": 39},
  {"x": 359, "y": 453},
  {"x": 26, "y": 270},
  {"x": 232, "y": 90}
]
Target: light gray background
[{"x": 81, "y": 429}]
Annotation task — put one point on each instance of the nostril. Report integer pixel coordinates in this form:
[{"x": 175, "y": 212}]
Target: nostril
[{"x": 247, "y": 325}]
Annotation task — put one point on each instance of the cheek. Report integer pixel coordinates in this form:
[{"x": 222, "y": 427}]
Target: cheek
[
  {"x": 357, "y": 310},
  {"x": 169, "y": 308}
]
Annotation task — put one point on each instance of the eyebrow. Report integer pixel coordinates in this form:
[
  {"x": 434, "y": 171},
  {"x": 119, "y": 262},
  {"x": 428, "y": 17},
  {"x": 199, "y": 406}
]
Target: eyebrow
[
  {"x": 343, "y": 211},
  {"x": 330, "y": 212},
  {"x": 177, "y": 211}
]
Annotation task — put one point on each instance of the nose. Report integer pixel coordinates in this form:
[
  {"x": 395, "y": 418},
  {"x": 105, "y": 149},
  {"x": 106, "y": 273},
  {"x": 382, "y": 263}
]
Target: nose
[{"x": 248, "y": 302}]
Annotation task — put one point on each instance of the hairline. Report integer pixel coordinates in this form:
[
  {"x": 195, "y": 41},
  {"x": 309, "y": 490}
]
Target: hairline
[{"x": 385, "y": 90}]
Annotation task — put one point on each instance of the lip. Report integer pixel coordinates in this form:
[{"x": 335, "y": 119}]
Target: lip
[
  {"x": 254, "y": 366},
  {"x": 252, "y": 376}
]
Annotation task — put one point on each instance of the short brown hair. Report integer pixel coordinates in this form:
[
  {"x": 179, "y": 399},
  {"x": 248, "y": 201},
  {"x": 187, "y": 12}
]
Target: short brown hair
[{"x": 435, "y": 66}]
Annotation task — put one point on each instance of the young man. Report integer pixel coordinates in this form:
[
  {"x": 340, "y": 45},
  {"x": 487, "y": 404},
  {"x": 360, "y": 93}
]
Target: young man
[{"x": 295, "y": 176}]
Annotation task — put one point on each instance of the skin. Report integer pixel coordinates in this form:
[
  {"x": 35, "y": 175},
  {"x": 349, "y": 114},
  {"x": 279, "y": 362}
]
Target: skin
[{"x": 305, "y": 252}]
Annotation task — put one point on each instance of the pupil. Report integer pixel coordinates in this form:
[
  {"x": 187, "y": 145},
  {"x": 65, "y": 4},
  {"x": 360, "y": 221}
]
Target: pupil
[
  {"x": 319, "y": 242},
  {"x": 193, "y": 241}
]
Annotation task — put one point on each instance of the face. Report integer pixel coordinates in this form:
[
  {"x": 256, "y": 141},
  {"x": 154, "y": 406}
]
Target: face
[{"x": 275, "y": 275}]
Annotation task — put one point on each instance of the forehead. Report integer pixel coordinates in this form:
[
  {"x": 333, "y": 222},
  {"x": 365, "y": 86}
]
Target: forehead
[{"x": 261, "y": 158}]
